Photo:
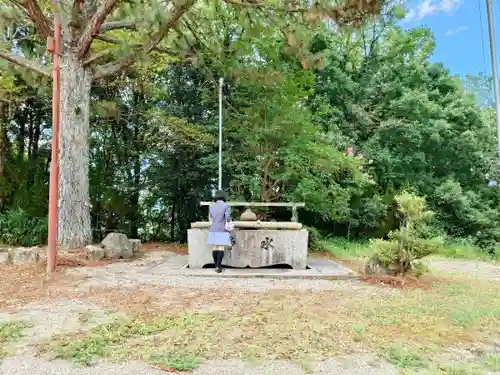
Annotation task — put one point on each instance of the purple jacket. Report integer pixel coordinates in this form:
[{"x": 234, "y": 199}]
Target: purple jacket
[{"x": 220, "y": 212}]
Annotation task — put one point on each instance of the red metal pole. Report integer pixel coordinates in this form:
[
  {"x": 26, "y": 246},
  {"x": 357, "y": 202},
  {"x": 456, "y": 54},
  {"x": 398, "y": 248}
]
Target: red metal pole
[{"x": 54, "y": 164}]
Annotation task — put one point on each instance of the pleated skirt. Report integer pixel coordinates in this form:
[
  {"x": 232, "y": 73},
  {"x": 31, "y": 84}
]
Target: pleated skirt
[{"x": 219, "y": 239}]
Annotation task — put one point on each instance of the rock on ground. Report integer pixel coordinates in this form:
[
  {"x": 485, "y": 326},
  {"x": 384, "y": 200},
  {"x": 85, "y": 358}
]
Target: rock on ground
[
  {"x": 24, "y": 255},
  {"x": 374, "y": 267},
  {"x": 117, "y": 245},
  {"x": 4, "y": 257},
  {"x": 93, "y": 252}
]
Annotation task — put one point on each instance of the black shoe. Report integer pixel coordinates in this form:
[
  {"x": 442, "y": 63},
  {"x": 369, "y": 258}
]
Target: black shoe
[{"x": 218, "y": 270}]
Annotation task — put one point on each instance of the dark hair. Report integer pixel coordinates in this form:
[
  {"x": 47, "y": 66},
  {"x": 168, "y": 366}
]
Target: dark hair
[{"x": 220, "y": 195}]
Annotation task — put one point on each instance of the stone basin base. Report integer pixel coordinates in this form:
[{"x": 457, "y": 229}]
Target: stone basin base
[{"x": 254, "y": 248}]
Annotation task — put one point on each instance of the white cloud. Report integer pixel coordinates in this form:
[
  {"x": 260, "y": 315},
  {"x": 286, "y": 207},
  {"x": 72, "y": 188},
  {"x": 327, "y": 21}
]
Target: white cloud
[
  {"x": 450, "y": 5},
  {"x": 452, "y": 32},
  {"x": 426, "y": 8}
]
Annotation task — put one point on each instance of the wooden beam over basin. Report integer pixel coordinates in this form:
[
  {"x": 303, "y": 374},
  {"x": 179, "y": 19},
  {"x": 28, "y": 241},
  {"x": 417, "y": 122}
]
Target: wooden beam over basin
[
  {"x": 255, "y": 225},
  {"x": 292, "y": 205}
]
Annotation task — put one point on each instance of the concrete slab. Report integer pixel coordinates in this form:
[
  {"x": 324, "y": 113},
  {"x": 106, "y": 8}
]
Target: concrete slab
[{"x": 317, "y": 268}]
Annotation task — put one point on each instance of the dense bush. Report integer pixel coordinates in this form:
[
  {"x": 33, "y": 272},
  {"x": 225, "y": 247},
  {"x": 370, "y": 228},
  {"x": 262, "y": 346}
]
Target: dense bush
[
  {"x": 17, "y": 228},
  {"x": 315, "y": 239},
  {"x": 404, "y": 245}
]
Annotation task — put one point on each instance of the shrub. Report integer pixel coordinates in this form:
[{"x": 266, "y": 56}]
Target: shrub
[
  {"x": 314, "y": 239},
  {"x": 404, "y": 245},
  {"x": 18, "y": 228}
]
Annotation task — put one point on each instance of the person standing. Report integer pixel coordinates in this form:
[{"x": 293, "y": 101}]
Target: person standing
[{"x": 218, "y": 235}]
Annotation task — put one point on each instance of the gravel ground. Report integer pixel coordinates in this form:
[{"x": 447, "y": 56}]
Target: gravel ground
[
  {"x": 475, "y": 269},
  {"x": 24, "y": 365},
  {"x": 164, "y": 269}
]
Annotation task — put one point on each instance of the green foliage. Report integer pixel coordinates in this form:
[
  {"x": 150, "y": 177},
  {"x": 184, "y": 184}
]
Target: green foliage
[
  {"x": 315, "y": 239},
  {"x": 408, "y": 123},
  {"x": 176, "y": 361},
  {"x": 404, "y": 358},
  {"x": 404, "y": 246},
  {"x": 420, "y": 269},
  {"x": 108, "y": 340},
  {"x": 18, "y": 228},
  {"x": 345, "y": 249},
  {"x": 11, "y": 331},
  {"x": 492, "y": 362}
]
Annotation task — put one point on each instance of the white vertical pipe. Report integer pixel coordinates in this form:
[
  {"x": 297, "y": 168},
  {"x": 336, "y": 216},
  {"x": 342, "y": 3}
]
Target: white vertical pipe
[{"x": 221, "y": 82}]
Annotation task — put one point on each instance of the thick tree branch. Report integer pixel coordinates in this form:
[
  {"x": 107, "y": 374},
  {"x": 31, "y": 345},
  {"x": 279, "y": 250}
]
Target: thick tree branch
[
  {"x": 93, "y": 26},
  {"x": 110, "y": 51},
  {"x": 261, "y": 5},
  {"x": 36, "y": 16},
  {"x": 127, "y": 25},
  {"x": 98, "y": 56},
  {"x": 174, "y": 16},
  {"x": 24, "y": 63},
  {"x": 347, "y": 12}
]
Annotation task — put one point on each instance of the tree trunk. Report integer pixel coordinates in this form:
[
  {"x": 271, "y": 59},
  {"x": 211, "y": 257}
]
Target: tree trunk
[
  {"x": 74, "y": 201},
  {"x": 4, "y": 139}
]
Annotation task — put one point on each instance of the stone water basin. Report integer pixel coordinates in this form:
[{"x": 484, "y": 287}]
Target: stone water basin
[{"x": 258, "y": 244}]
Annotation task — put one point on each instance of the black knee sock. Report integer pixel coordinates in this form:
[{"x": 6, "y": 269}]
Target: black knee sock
[
  {"x": 214, "y": 256},
  {"x": 220, "y": 256}
]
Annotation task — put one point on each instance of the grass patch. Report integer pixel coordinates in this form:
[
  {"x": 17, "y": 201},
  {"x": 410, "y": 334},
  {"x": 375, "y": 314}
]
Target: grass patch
[
  {"x": 108, "y": 340},
  {"x": 12, "y": 331},
  {"x": 492, "y": 362},
  {"x": 456, "y": 250},
  {"x": 403, "y": 358},
  {"x": 9, "y": 333},
  {"x": 344, "y": 249},
  {"x": 174, "y": 361},
  {"x": 300, "y": 325}
]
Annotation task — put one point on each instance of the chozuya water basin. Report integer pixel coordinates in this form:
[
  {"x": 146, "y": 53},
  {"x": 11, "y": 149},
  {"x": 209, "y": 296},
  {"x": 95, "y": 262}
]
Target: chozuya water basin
[{"x": 257, "y": 244}]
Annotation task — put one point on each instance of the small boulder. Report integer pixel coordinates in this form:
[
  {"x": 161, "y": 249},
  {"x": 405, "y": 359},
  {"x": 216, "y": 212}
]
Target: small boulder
[
  {"x": 24, "y": 255},
  {"x": 93, "y": 252},
  {"x": 117, "y": 245},
  {"x": 136, "y": 245},
  {"x": 4, "y": 257},
  {"x": 375, "y": 267}
]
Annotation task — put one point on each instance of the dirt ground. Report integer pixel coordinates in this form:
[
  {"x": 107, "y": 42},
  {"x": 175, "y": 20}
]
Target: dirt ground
[{"x": 88, "y": 320}]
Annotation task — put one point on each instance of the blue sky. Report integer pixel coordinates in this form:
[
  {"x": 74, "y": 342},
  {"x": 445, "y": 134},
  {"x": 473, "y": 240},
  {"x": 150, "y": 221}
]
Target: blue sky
[{"x": 457, "y": 28}]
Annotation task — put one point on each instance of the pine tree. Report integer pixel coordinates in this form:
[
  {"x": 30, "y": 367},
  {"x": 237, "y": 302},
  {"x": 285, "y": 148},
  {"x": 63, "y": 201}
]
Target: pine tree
[{"x": 102, "y": 38}]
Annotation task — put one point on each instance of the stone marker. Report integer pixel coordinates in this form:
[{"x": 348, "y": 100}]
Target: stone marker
[
  {"x": 93, "y": 252},
  {"x": 117, "y": 245},
  {"x": 4, "y": 257},
  {"x": 24, "y": 255},
  {"x": 136, "y": 245}
]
